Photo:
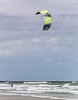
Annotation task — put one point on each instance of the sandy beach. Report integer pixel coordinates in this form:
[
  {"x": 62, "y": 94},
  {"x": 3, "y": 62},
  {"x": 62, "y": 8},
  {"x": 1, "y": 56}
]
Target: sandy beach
[{"x": 18, "y": 97}]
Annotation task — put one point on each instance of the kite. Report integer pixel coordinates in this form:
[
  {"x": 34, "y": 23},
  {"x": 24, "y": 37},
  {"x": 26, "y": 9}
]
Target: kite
[{"x": 47, "y": 19}]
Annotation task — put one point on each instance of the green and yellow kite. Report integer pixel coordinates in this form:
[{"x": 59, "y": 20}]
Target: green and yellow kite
[{"x": 47, "y": 19}]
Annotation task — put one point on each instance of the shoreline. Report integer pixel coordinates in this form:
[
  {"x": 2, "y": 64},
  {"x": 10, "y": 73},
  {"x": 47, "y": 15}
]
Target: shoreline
[{"x": 19, "y": 97}]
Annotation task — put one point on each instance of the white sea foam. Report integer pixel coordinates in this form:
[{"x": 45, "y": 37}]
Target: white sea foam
[
  {"x": 33, "y": 82},
  {"x": 66, "y": 85},
  {"x": 41, "y": 89},
  {"x": 74, "y": 82}
]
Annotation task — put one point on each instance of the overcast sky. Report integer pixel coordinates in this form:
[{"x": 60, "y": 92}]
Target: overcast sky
[{"x": 29, "y": 54}]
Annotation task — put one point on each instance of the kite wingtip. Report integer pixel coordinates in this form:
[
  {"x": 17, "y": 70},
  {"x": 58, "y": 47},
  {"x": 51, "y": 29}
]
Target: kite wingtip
[{"x": 37, "y": 13}]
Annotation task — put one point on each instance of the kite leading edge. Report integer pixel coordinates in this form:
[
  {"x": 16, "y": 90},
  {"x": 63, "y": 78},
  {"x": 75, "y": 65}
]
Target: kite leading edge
[{"x": 47, "y": 19}]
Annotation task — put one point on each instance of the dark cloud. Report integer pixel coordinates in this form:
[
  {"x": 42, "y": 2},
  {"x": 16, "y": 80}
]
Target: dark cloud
[
  {"x": 65, "y": 23},
  {"x": 75, "y": 16},
  {"x": 75, "y": 2},
  {"x": 12, "y": 23},
  {"x": 19, "y": 23}
]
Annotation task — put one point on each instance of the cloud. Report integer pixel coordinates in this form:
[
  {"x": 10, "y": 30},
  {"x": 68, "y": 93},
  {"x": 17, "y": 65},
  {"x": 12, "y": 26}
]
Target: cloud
[
  {"x": 35, "y": 40},
  {"x": 17, "y": 38},
  {"x": 75, "y": 2},
  {"x": 11, "y": 23},
  {"x": 48, "y": 60},
  {"x": 59, "y": 63},
  {"x": 53, "y": 40},
  {"x": 76, "y": 60},
  {"x": 24, "y": 33}
]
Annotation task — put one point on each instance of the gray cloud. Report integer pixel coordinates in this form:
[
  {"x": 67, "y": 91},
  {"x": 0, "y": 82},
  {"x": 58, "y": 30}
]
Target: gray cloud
[
  {"x": 28, "y": 32},
  {"x": 11, "y": 23}
]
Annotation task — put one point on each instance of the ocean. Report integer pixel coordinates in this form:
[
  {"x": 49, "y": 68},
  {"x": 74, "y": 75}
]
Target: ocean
[{"x": 50, "y": 89}]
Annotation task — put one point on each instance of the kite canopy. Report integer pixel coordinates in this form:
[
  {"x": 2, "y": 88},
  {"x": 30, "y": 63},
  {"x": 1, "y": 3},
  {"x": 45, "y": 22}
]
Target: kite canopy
[{"x": 47, "y": 19}]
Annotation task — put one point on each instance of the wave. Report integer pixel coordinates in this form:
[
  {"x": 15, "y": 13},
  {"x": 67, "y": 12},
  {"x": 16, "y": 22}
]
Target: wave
[
  {"x": 34, "y": 82},
  {"x": 41, "y": 89}
]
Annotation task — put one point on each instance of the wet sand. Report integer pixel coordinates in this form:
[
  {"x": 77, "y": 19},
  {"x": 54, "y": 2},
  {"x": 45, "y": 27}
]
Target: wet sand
[{"x": 17, "y": 97}]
